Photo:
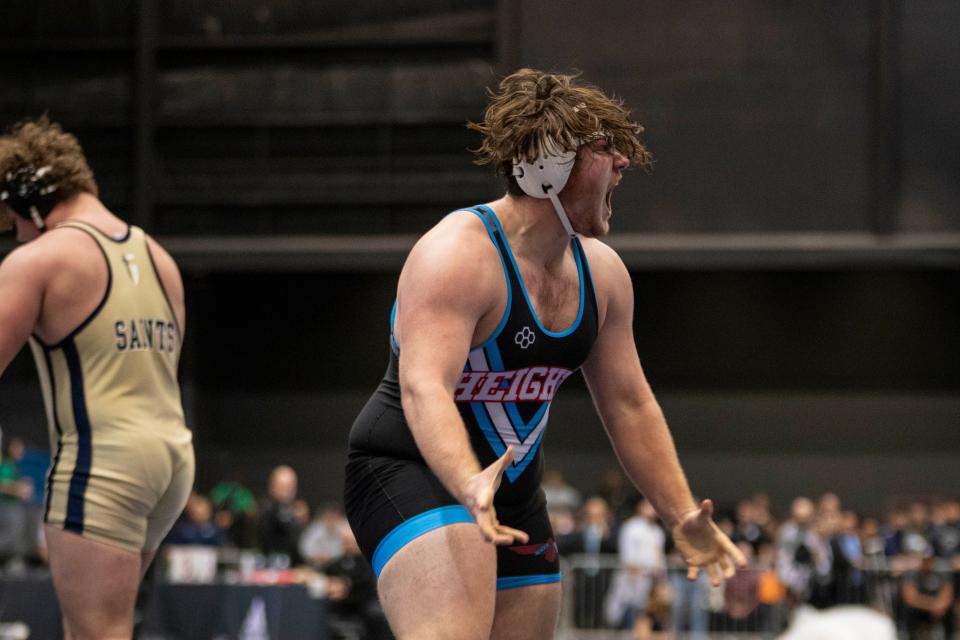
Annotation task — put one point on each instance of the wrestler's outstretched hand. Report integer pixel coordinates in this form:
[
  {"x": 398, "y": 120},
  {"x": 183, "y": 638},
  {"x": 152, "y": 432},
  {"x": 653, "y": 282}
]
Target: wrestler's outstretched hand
[
  {"x": 703, "y": 545},
  {"x": 477, "y": 497}
]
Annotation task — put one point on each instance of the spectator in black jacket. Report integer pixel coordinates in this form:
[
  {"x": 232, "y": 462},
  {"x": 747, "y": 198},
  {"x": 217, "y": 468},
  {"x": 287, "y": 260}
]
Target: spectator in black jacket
[
  {"x": 928, "y": 596},
  {"x": 593, "y": 537},
  {"x": 352, "y": 592},
  {"x": 279, "y": 524}
]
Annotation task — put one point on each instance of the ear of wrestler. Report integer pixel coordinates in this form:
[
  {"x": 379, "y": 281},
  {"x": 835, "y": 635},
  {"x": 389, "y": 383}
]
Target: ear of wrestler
[
  {"x": 703, "y": 544},
  {"x": 478, "y": 498}
]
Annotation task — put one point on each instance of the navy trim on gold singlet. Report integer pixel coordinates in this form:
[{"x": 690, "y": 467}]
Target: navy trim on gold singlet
[
  {"x": 56, "y": 423},
  {"x": 121, "y": 240},
  {"x": 81, "y": 470},
  {"x": 163, "y": 289},
  {"x": 103, "y": 301}
]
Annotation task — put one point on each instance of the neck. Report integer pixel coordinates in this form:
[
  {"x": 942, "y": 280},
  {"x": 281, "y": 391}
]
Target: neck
[
  {"x": 82, "y": 206},
  {"x": 533, "y": 228}
]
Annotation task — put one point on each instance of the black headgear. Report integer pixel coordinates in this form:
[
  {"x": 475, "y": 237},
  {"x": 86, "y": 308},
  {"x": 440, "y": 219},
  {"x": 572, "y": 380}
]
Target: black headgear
[{"x": 29, "y": 192}]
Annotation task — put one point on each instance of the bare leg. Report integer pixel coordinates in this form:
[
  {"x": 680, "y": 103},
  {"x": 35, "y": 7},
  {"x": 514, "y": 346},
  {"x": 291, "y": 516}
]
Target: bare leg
[
  {"x": 441, "y": 586},
  {"x": 96, "y": 585},
  {"x": 146, "y": 557},
  {"x": 527, "y": 613}
]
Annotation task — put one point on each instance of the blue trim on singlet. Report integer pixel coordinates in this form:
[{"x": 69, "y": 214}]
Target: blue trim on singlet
[
  {"x": 81, "y": 470},
  {"x": 496, "y": 442},
  {"x": 522, "y": 427},
  {"x": 506, "y": 274},
  {"x": 523, "y": 288},
  {"x": 395, "y": 345},
  {"x": 512, "y": 582},
  {"x": 414, "y": 528},
  {"x": 486, "y": 427}
]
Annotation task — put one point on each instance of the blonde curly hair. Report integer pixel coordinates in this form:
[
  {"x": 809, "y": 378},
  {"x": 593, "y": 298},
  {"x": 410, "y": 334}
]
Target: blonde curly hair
[
  {"x": 42, "y": 143},
  {"x": 534, "y": 111}
]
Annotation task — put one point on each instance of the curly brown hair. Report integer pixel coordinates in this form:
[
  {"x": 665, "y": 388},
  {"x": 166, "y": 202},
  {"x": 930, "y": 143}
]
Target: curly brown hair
[
  {"x": 533, "y": 110},
  {"x": 6, "y": 147},
  {"x": 41, "y": 143}
]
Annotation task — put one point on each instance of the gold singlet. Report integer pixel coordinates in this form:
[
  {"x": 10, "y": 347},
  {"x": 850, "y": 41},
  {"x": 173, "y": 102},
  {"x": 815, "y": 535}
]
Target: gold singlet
[{"x": 123, "y": 460}]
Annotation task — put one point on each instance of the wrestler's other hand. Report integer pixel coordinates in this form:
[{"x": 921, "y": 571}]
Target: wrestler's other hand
[
  {"x": 703, "y": 545},
  {"x": 477, "y": 497}
]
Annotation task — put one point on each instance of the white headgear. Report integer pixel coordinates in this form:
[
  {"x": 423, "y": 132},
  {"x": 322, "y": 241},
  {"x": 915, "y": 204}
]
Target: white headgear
[{"x": 546, "y": 176}]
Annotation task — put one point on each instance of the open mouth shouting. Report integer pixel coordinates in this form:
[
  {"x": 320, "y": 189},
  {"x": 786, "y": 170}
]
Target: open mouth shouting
[{"x": 608, "y": 198}]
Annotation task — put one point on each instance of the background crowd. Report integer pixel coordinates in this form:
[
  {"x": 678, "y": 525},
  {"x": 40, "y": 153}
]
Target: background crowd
[
  {"x": 816, "y": 552},
  {"x": 621, "y": 570}
]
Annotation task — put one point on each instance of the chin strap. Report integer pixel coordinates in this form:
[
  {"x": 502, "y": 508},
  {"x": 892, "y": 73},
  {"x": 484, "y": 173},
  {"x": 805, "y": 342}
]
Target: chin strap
[
  {"x": 37, "y": 218},
  {"x": 564, "y": 220}
]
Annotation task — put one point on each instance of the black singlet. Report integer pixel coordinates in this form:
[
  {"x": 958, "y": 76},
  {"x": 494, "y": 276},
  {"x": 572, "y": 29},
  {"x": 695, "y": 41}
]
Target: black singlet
[{"x": 507, "y": 384}]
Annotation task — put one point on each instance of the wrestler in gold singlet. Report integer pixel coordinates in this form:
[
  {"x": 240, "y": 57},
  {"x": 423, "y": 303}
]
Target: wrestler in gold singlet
[
  {"x": 123, "y": 459},
  {"x": 102, "y": 305}
]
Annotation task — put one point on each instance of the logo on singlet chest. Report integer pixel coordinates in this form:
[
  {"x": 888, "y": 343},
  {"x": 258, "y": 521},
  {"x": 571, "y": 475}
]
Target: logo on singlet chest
[
  {"x": 531, "y": 384},
  {"x": 525, "y": 337}
]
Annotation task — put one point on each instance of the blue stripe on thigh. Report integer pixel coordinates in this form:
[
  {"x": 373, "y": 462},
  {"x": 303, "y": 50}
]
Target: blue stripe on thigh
[{"x": 414, "y": 528}]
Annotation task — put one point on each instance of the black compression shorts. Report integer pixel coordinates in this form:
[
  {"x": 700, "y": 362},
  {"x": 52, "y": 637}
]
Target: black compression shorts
[{"x": 391, "y": 501}]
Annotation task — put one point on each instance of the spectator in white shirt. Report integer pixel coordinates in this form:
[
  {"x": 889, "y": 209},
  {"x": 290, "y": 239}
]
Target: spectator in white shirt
[{"x": 642, "y": 544}]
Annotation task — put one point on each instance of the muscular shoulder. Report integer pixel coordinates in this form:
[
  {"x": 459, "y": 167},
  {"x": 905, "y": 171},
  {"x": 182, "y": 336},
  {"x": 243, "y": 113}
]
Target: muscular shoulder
[
  {"x": 23, "y": 266},
  {"x": 459, "y": 235},
  {"x": 604, "y": 261},
  {"x": 47, "y": 255},
  {"x": 456, "y": 258}
]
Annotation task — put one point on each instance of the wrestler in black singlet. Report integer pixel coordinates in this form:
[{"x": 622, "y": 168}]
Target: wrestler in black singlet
[{"x": 504, "y": 396}]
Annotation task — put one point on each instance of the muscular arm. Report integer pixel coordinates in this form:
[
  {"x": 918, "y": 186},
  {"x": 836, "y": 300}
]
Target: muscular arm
[
  {"x": 445, "y": 289},
  {"x": 437, "y": 310},
  {"x": 630, "y": 412},
  {"x": 21, "y": 299},
  {"x": 639, "y": 432}
]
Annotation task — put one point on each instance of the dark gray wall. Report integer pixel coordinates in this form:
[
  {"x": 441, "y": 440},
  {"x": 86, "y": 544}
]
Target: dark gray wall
[
  {"x": 268, "y": 117},
  {"x": 931, "y": 100},
  {"x": 264, "y": 118},
  {"x": 796, "y": 381},
  {"x": 769, "y": 116}
]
